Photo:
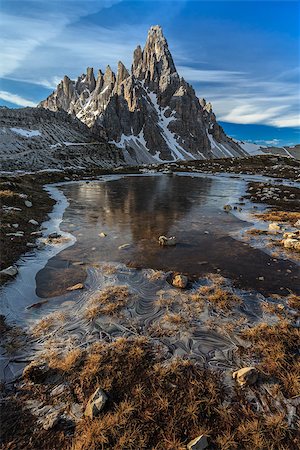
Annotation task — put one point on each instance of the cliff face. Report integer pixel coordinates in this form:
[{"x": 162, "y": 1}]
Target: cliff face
[{"x": 151, "y": 113}]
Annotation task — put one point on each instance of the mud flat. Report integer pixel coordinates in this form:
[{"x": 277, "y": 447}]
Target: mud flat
[{"x": 97, "y": 311}]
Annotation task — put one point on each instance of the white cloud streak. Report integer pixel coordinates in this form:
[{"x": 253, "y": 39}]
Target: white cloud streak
[
  {"x": 15, "y": 99},
  {"x": 239, "y": 98}
]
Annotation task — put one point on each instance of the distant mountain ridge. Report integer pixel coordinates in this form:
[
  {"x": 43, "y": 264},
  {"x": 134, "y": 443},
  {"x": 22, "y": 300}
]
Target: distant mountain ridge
[{"x": 150, "y": 112}]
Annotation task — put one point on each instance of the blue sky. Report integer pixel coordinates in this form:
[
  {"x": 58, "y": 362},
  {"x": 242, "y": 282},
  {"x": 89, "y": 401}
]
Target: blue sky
[{"x": 243, "y": 56}]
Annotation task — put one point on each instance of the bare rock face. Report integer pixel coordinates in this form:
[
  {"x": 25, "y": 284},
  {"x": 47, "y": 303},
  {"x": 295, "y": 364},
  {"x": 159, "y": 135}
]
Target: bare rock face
[{"x": 151, "y": 114}]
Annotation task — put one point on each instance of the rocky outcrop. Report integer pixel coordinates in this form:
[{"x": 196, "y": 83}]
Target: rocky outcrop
[
  {"x": 151, "y": 113},
  {"x": 35, "y": 138}
]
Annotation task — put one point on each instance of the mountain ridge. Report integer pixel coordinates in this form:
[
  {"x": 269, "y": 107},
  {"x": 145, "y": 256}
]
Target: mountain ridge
[{"x": 150, "y": 112}]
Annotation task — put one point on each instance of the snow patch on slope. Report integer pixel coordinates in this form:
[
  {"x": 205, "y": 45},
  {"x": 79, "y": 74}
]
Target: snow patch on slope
[
  {"x": 251, "y": 149},
  {"x": 177, "y": 151},
  {"x": 222, "y": 151},
  {"x": 26, "y": 133}
]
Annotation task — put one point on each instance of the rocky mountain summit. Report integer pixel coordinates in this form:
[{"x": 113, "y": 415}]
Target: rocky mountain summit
[{"x": 149, "y": 112}]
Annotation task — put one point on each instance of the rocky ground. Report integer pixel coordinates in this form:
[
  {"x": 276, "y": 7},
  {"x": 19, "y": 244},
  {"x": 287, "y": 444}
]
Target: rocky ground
[{"x": 127, "y": 392}]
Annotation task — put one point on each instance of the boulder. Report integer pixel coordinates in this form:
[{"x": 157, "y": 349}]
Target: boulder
[
  {"x": 95, "y": 404},
  {"x": 180, "y": 281},
  {"x": 167, "y": 241},
  {"x": 245, "y": 376},
  {"x": 199, "y": 443}
]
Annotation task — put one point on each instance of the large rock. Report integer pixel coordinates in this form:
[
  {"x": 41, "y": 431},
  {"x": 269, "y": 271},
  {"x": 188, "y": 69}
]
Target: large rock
[
  {"x": 95, "y": 404},
  {"x": 245, "y": 376}
]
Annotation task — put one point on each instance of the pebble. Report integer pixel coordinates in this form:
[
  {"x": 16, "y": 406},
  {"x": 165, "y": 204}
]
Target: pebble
[
  {"x": 33, "y": 222},
  {"x": 28, "y": 203},
  {"x": 11, "y": 271}
]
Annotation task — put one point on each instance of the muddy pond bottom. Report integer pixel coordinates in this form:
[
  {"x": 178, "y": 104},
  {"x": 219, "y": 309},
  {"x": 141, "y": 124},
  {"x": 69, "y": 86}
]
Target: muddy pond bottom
[{"x": 120, "y": 220}]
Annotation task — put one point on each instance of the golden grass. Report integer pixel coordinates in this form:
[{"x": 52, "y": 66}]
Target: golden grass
[
  {"x": 67, "y": 362},
  {"x": 157, "y": 404},
  {"x": 256, "y": 231},
  {"x": 218, "y": 297},
  {"x": 294, "y": 301},
  {"x": 279, "y": 216},
  {"x": 276, "y": 348},
  {"x": 109, "y": 301},
  {"x": 47, "y": 324},
  {"x": 8, "y": 194}
]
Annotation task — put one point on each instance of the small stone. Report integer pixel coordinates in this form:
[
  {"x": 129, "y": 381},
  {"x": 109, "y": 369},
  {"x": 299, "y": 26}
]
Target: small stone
[
  {"x": 261, "y": 278},
  {"x": 199, "y": 443},
  {"x": 75, "y": 287},
  {"x": 167, "y": 241},
  {"x": 124, "y": 246},
  {"x": 15, "y": 225},
  {"x": 36, "y": 233},
  {"x": 76, "y": 411},
  {"x": 290, "y": 243},
  {"x": 274, "y": 227},
  {"x": 11, "y": 271},
  {"x": 28, "y": 203},
  {"x": 180, "y": 281},
  {"x": 102, "y": 234},
  {"x": 31, "y": 245},
  {"x": 206, "y": 232},
  {"x": 95, "y": 404},
  {"x": 227, "y": 208},
  {"x": 33, "y": 222},
  {"x": 245, "y": 376},
  {"x": 54, "y": 236}
]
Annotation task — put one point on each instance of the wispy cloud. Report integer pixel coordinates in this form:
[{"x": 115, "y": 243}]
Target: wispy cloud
[
  {"x": 239, "y": 97},
  {"x": 15, "y": 99}
]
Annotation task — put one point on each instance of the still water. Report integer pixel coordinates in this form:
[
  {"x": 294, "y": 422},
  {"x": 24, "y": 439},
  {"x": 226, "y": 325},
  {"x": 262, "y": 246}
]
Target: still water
[{"x": 133, "y": 211}]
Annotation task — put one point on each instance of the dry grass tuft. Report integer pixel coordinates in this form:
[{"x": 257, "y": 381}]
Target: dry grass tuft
[
  {"x": 47, "y": 324},
  {"x": 159, "y": 404},
  {"x": 217, "y": 296},
  {"x": 109, "y": 301},
  {"x": 256, "y": 231},
  {"x": 279, "y": 216},
  {"x": 67, "y": 362},
  {"x": 276, "y": 347},
  {"x": 294, "y": 301}
]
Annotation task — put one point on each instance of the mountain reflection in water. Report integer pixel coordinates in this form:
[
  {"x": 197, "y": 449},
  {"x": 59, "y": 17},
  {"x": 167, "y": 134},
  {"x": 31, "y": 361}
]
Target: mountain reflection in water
[{"x": 136, "y": 210}]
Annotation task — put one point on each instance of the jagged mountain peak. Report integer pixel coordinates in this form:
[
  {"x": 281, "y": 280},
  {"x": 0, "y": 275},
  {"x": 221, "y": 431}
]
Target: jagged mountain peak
[{"x": 151, "y": 113}]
